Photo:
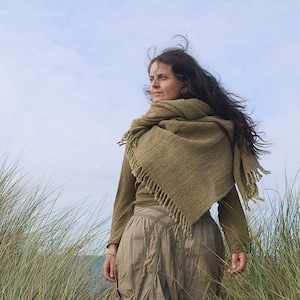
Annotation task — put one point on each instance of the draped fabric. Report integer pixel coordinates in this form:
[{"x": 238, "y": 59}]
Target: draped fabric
[
  {"x": 186, "y": 156},
  {"x": 155, "y": 260}
]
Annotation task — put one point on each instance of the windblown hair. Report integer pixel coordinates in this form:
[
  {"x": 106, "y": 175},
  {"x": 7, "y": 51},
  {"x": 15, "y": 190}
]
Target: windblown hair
[{"x": 201, "y": 84}]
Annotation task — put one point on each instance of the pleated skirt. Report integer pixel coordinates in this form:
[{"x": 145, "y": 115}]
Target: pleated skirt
[{"x": 157, "y": 261}]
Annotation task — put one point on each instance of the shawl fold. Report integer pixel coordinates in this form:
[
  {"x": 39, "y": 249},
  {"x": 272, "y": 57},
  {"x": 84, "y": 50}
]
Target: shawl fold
[{"x": 186, "y": 157}]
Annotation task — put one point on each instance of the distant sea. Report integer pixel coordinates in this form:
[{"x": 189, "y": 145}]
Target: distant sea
[{"x": 97, "y": 269}]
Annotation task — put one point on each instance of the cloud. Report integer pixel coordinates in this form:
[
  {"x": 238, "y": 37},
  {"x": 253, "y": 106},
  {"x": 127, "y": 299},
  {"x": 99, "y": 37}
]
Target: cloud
[{"x": 72, "y": 78}]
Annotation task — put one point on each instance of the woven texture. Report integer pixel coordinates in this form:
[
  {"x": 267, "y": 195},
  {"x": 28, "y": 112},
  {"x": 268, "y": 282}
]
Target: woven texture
[{"x": 185, "y": 156}]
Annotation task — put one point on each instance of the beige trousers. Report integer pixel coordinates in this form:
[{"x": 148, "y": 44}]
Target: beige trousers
[{"x": 156, "y": 261}]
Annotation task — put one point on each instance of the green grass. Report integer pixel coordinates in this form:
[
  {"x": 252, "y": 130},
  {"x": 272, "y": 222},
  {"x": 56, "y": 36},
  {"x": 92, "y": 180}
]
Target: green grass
[{"x": 44, "y": 253}]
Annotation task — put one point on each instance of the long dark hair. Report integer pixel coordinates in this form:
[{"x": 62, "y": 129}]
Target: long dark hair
[{"x": 201, "y": 84}]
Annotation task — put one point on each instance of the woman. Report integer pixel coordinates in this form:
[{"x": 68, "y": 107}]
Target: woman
[{"x": 190, "y": 150}]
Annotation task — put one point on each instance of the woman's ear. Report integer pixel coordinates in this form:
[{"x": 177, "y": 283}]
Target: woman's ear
[{"x": 183, "y": 90}]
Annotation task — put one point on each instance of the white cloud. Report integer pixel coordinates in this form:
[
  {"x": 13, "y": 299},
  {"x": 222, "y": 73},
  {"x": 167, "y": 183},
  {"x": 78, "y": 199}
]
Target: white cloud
[{"x": 72, "y": 75}]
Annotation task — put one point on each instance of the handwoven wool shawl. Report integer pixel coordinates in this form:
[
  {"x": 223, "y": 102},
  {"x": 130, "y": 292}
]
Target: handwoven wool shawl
[{"x": 186, "y": 157}]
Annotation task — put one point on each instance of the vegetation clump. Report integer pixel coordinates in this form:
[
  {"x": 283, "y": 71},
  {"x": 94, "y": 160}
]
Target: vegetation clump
[
  {"x": 45, "y": 255},
  {"x": 43, "y": 252}
]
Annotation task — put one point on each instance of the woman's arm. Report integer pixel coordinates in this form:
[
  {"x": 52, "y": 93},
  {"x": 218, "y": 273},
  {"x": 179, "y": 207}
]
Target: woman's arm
[
  {"x": 123, "y": 208},
  {"x": 234, "y": 225},
  {"x": 109, "y": 263}
]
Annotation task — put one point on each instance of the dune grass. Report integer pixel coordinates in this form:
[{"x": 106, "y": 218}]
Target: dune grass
[
  {"x": 43, "y": 252},
  {"x": 45, "y": 255},
  {"x": 273, "y": 270}
]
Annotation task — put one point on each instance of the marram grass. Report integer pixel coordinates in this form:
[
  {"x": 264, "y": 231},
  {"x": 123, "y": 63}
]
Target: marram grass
[{"x": 43, "y": 254}]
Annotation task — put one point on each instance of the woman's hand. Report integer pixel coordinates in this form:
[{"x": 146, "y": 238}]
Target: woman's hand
[
  {"x": 239, "y": 262},
  {"x": 109, "y": 263}
]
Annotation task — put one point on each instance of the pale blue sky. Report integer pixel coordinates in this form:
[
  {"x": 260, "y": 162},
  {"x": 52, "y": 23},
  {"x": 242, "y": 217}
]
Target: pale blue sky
[{"x": 72, "y": 76}]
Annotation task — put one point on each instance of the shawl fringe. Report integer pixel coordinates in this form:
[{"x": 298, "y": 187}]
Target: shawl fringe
[
  {"x": 128, "y": 138},
  {"x": 252, "y": 178},
  {"x": 161, "y": 197}
]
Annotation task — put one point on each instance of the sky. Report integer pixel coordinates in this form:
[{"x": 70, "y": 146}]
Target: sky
[{"x": 72, "y": 75}]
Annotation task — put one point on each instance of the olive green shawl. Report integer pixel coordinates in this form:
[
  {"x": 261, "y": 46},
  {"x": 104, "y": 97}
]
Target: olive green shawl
[{"x": 185, "y": 156}]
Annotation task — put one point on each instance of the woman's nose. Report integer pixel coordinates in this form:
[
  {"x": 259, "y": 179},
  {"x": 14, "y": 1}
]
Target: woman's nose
[{"x": 154, "y": 83}]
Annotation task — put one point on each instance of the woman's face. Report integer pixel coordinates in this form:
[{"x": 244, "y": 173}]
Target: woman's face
[{"x": 164, "y": 84}]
